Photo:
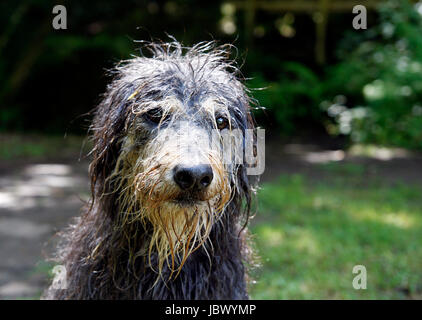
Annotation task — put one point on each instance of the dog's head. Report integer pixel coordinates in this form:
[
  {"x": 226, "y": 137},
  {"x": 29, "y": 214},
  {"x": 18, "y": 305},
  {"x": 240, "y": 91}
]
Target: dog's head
[{"x": 169, "y": 142}]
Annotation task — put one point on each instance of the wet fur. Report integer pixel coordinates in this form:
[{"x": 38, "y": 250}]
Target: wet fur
[{"x": 122, "y": 247}]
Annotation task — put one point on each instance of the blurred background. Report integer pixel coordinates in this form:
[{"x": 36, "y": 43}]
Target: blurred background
[{"x": 342, "y": 110}]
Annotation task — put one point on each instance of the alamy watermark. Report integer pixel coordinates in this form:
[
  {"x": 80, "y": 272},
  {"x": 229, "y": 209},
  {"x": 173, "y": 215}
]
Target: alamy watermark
[
  {"x": 359, "y": 281},
  {"x": 360, "y": 20},
  {"x": 60, "y": 20},
  {"x": 60, "y": 278},
  {"x": 235, "y": 146}
]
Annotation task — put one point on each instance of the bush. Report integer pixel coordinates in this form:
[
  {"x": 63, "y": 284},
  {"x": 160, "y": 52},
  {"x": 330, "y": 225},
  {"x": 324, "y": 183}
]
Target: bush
[
  {"x": 377, "y": 86},
  {"x": 292, "y": 98},
  {"x": 372, "y": 95}
]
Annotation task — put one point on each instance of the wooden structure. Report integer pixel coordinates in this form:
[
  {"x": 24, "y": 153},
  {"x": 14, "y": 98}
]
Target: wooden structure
[{"x": 320, "y": 9}]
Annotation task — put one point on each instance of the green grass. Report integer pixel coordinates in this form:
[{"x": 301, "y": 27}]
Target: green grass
[
  {"x": 351, "y": 169},
  {"x": 37, "y": 146},
  {"x": 310, "y": 235}
]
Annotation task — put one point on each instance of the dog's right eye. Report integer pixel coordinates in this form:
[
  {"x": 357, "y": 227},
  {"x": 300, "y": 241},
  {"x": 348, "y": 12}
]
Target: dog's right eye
[
  {"x": 222, "y": 122},
  {"x": 155, "y": 115}
]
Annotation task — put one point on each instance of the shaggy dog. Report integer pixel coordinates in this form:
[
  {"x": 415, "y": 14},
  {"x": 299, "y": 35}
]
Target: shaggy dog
[{"x": 170, "y": 201}]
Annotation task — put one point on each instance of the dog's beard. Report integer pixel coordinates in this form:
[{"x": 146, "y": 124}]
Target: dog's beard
[
  {"x": 178, "y": 228},
  {"x": 178, "y": 231}
]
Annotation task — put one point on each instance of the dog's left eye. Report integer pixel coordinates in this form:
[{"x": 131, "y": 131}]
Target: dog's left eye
[
  {"x": 222, "y": 122},
  {"x": 155, "y": 115}
]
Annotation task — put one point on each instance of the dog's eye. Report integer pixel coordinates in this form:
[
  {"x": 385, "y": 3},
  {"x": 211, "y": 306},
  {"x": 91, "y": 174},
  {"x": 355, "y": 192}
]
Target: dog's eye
[
  {"x": 155, "y": 115},
  {"x": 222, "y": 122}
]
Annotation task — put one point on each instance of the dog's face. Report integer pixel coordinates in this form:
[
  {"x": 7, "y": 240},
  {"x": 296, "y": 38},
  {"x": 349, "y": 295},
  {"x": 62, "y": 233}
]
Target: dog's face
[
  {"x": 185, "y": 120},
  {"x": 181, "y": 157}
]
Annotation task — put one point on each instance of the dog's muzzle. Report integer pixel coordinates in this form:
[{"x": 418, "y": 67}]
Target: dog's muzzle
[{"x": 195, "y": 179}]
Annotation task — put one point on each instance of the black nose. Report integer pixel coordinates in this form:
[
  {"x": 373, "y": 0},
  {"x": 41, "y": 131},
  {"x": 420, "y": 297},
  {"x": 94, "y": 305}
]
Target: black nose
[{"x": 196, "y": 178}]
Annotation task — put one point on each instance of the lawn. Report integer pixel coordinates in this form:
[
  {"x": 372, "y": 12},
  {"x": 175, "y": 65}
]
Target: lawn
[
  {"x": 310, "y": 235},
  {"x": 38, "y": 146}
]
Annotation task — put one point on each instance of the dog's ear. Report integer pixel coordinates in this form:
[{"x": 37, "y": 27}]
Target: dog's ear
[
  {"x": 108, "y": 127},
  {"x": 246, "y": 182}
]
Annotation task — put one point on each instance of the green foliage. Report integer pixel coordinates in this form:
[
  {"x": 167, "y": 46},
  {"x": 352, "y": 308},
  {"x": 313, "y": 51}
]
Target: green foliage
[
  {"x": 310, "y": 236},
  {"x": 292, "y": 98},
  {"x": 373, "y": 94},
  {"x": 7, "y": 117},
  {"x": 378, "y": 82}
]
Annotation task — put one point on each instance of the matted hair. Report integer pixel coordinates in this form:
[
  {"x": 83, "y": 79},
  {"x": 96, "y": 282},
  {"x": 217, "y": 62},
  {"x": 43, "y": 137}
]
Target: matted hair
[{"x": 127, "y": 244}]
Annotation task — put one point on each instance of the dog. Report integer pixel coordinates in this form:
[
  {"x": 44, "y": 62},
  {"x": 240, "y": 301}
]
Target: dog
[{"x": 170, "y": 204}]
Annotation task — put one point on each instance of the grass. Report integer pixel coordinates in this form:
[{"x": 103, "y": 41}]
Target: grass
[
  {"x": 37, "y": 146},
  {"x": 310, "y": 236}
]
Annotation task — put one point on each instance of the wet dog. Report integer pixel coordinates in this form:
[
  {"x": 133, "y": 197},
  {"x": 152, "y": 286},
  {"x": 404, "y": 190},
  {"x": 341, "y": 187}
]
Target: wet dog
[{"x": 170, "y": 201}]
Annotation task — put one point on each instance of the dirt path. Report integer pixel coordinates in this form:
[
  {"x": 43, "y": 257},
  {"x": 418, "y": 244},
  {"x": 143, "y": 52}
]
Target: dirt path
[
  {"x": 39, "y": 198},
  {"x": 36, "y": 200}
]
